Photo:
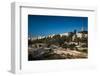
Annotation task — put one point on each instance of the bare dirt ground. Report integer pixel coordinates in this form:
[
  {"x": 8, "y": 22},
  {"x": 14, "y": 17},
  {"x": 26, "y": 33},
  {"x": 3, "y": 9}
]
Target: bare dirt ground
[
  {"x": 74, "y": 53},
  {"x": 58, "y": 53}
]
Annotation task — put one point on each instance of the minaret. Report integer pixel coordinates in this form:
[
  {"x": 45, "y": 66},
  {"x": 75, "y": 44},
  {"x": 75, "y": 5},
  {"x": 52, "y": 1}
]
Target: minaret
[{"x": 82, "y": 29}]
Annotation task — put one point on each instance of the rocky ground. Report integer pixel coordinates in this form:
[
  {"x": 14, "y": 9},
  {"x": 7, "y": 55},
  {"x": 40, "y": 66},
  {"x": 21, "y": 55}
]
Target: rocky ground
[{"x": 59, "y": 53}]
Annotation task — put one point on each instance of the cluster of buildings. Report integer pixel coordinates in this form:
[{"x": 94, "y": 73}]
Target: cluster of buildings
[{"x": 79, "y": 34}]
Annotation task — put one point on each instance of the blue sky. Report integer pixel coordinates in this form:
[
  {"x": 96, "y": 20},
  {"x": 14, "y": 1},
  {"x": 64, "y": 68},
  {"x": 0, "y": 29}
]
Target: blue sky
[{"x": 42, "y": 25}]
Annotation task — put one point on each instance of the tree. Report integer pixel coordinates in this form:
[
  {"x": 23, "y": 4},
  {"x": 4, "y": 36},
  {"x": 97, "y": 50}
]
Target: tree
[
  {"x": 56, "y": 36},
  {"x": 65, "y": 46},
  {"x": 72, "y": 46},
  {"x": 64, "y": 38},
  {"x": 75, "y": 31},
  {"x": 30, "y": 42}
]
